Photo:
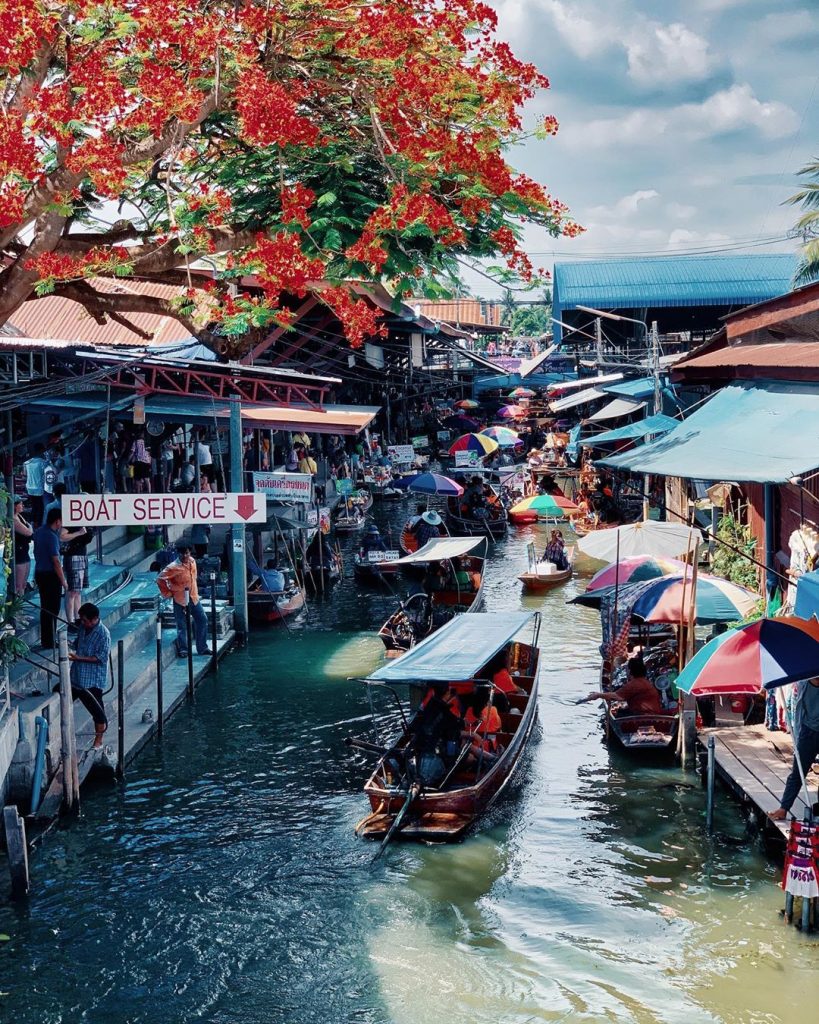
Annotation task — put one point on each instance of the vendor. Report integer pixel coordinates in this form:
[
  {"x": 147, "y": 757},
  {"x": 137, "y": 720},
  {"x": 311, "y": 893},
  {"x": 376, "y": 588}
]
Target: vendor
[
  {"x": 555, "y": 551},
  {"x": 639, "y": 693}
]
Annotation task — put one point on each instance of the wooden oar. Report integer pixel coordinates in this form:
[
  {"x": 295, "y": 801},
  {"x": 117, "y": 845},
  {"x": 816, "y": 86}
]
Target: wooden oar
[{"x": 415, "y": 789}]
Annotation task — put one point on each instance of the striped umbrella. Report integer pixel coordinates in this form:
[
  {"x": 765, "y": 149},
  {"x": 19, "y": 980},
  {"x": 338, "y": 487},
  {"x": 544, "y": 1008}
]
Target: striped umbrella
[
  {"x": 541, "y": 506},
  {"x": 505, "y": 437},
  {"x": 474, "y": 443},
  {"x": 667, "y": 600},
  {"x": 510, "y": 412},
  {"x": 467, "y": 403},
  {"x": 635, "y": 570},
  {"x": 522, "y": 393},
  {"x": 766, "y": 653}
]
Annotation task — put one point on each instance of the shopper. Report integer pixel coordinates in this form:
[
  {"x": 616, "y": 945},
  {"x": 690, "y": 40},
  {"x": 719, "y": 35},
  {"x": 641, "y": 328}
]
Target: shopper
[{"x": 48, "y": 575}]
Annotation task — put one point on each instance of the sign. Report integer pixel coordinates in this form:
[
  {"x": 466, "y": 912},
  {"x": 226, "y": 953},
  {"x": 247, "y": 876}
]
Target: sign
[
  {"x": 139, "y": 411},
  {"x": 400, "y": 453},
  {"x": 312, "y": 517},
  {"x": 162, "y": 509},
  {"x": 296, "y": 487},
  {"x": 344, "y": 486},
  {"x": 420, "y": 442},
  {"x": 443, "y": 435},
  {"x": 467, "y": 459},
  {"x": 383, "y": 556},
  {"x": 324, "y": 520}
]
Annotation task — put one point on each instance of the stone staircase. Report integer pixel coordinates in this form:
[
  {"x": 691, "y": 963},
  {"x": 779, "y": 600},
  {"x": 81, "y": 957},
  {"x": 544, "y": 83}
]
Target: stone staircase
[{"x": 129, "y": 603}]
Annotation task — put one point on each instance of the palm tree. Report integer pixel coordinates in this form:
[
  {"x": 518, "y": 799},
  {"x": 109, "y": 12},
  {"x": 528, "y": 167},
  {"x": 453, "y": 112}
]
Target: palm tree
[{"x": 808, "y": 223}]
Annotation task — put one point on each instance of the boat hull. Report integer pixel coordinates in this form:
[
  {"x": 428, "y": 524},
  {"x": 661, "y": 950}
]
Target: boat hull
[
  {"x": 539, "y": 581},
  {"x": 264, "y": 608}
]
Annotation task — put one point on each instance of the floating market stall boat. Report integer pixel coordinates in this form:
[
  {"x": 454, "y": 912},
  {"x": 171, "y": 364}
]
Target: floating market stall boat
[
  {"x": 421, "y": 788},
  {"x": 544, "y": 575},
  {"x": 491, "y": 520},
  {"x": 265, "y": 606},
  {"x": 458, "y": 588}
]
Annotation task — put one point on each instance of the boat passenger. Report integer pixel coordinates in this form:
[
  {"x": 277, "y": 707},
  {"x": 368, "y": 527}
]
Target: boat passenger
[
  {"x": 482, "y": 722},
  {"x": 428, "y": 528},
  {"x": 462, "y": 580},
  {"x": 416, "y": 519},
  {"x": 372, "y": 541},
  {"x": 473, "y": 497},
  {"x": 501, "y": 679},
  {"x": 272, "y": 579},
  {"x": 555, "y": 551},
  {"x": 639, "y": 693},
  {"x": 435, "y": 578}
]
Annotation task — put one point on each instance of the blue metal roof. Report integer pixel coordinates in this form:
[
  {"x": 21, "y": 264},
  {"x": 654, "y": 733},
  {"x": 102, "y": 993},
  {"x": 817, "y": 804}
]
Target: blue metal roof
[
  {"x": 630, "y": 388},
  {"x": 673, "y": 281}
]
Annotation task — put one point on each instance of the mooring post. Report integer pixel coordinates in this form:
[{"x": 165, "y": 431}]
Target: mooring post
[
  {"x": 189, "y": 645},
  {"x": 215, "y": 658},
  {"x": 709, "y": 795},
  {"x": 160, "y": 701},
  {"x": 17, "y": 849},
  {"x": 67, "y": 738},
  {"x": 121, "y": 708}
]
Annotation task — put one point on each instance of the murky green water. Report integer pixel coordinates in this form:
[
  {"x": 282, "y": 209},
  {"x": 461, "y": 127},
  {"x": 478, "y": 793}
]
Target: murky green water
[{"x": 223, "y": 882}]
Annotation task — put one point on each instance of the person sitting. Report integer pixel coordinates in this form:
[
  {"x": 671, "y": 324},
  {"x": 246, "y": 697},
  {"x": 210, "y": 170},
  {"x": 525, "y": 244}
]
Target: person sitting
[
  {"x": 462, "y": 580},
  {"x": 434, "y": 578},
  {"x": 501, "y": 678},
  {"x": 429, "y": 528},
  {"x": 272, "y": 580},
  {"x": 372, "y": 541},
  {"x": 639, "y": 693},
  {"x": 482, "y": 723},
  {"x": 416, "y": 519},
  {"x": 474, "y": 498},
  {"x": 555, "y": 551}
]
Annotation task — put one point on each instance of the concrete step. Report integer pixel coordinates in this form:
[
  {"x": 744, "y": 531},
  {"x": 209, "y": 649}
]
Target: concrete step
[
  {"x": 127, "y": 552},
  {"x": 143, "y": 591},
  {"x": 113, "y": 536}
]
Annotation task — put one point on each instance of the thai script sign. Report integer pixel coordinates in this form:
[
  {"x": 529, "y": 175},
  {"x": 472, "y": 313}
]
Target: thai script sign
[
  {"x": 400, "y": 453},
  {"x": 467, "y": 458},
  {"x": 284, "y": 486},
  {"x": 420, "y": 442}
]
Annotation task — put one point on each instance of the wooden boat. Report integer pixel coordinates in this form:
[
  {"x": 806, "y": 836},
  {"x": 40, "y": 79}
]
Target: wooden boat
[
  {"x": 422, "y": 613},
  {"x": 545, "y": 575},
  {"x": 264, "y": 607},
  {"x": 350, "y": 518},
  {"x": 493, "y": 525},
  {"x": 404, "y": 803},
  {"x": 649, "y": 733}
]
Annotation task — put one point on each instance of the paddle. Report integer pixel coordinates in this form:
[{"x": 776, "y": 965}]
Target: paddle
[{"x": 415, "y": 789}]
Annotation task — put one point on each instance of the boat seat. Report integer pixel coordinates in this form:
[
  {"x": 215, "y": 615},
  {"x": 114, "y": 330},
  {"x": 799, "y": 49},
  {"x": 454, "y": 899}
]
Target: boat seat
[
  {"x": 517, "y": 700},
  {"x": 510, "y": 722}
]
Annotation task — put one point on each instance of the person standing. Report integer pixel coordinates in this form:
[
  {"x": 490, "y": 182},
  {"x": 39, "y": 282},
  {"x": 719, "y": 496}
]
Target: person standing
[
  {"x": 75, "y": 570},
  {"x": 48, "y": 574},
  {"x": 35, "y": 477},
  {"x": 205, "y": 458},
  {"x": 22, "y": 546},
  {"x": 89, "y": 667},
  {"x": 806, "y": 743},
  {"x": 140, "y": 459},
  {"x": 174, "y": 580}
]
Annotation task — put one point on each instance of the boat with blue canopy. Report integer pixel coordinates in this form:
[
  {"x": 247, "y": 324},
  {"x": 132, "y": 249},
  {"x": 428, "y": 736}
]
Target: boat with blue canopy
[{"x": 467, "y": 698}]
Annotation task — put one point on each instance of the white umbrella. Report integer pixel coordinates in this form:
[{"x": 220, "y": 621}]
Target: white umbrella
[{"x": 662, "y": 540}]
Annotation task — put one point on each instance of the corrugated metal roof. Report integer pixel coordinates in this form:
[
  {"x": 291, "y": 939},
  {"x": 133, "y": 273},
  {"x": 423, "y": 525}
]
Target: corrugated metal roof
[
  {"x": 760, "y": 360},
  {"x": 665, "y": 281},
  {"x": 461, "y": 311}
]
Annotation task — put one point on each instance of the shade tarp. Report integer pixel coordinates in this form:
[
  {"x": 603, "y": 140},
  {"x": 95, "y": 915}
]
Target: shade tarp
[
  {"x": 762, "y": 432},
  {"x": 578, "y": 398},
  {"x": 658, "y": 424},
  {"x": 616, "y": 408},
  {"x": 641, "y": 388},
  {"x": 440, "y": 549},
  {"x": 457, "y": 651}
]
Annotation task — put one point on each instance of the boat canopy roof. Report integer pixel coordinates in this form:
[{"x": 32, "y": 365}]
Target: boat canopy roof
[
  {"x": 439, "y": 549},
  {"x": 457, "y": 651}
]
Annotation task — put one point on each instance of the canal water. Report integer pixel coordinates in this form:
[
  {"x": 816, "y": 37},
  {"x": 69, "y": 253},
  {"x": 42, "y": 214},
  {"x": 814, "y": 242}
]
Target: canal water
[{"x": 223, "y": 883}]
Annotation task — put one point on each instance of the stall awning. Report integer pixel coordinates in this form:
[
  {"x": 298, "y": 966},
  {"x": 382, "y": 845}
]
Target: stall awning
[
  {"x": 579, "y": 398},
  {"x": 764, "y": 432},
  {"x": 440, "y": 550},
  {"x": 658, "y": 424},
  {"x": 332, "y": 419},
  {"x": 457, "y": 651},
  {"x": 635, "y": 389},
  {"x": 581, "y": 382},
  {"x": 619, "y": 407}
]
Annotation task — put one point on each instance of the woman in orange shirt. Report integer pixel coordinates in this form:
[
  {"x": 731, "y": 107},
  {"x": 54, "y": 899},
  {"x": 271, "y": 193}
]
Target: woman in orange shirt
[{"x": 483, "y": 723}]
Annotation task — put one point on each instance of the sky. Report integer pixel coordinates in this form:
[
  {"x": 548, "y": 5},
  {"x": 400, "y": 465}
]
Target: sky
[{"x": 682, "y": 125}]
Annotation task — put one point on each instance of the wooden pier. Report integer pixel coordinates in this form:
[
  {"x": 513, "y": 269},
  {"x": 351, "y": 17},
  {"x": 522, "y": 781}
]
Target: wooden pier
[{"x": 755, "y": 764}]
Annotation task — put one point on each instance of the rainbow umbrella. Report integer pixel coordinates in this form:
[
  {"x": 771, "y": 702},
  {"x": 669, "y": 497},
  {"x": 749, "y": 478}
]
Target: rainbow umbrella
[
  {"x": 505, "y": 437},
  {"x": 430, "y": 483},
  {"x": 509, "y": 412},
  {"x": 636, "y": 570},
  {"x": 541, "y": 506},
  {"x": 522, "y": 393},
  {"x": 717, "y": 600},
  {"x": 765, "y": 653},
  {"x": 474, "y": 443},
  {"x": 467, "y": 403}
]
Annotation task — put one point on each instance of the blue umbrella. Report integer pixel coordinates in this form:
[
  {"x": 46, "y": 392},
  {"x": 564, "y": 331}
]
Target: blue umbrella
[{"x": 430, "y": 483}]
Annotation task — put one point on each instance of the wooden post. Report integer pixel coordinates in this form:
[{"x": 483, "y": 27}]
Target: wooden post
[
  {"x": 215, "y": 658},
  {"x": 68, "y": 741},
  {"x": 15, "y": 829},
  {"x": 709, "y": 797},
  {"x": 160, "y": 700},
  {"x": 121, "y": 708},
  {"x": 238, "y": 557},
  {"x": 189, "y": 641}
]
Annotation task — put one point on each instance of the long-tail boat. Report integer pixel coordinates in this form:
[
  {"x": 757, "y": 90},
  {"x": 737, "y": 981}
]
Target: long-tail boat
[{"x": 409, "y": 800}]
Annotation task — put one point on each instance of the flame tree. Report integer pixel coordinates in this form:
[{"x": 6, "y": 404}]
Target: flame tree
[{"x": 291, "y": 140}]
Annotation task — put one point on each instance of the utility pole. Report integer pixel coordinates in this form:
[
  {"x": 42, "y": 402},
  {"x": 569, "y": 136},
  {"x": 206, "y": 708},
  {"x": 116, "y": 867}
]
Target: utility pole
[
  {"x": 238, "y": 558},
  {"x": 655, "y": 363},
  {"x": 598, "y": 340}
]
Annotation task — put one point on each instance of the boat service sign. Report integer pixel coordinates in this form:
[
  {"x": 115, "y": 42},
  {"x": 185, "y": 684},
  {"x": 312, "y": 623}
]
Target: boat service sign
[
  {"x": 285, "y": 486},
  {"x": 162, "y": 509}
]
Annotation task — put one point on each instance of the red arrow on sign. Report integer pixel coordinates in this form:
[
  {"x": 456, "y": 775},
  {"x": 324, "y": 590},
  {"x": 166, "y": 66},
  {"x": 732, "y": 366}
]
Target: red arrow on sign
[{"x": 245, "y": 505}]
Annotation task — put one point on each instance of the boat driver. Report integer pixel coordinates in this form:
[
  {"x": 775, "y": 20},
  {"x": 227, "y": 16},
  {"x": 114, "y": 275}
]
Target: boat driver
[{"x": 639, "y": 693}]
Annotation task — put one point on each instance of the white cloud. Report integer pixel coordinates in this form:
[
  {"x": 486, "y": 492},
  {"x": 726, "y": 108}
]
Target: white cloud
[
  {"x": 680, "y": 211},
  {"x": 627, "y": 206},
  {"x": 683, "y": 239},
  {"x": 728, "y": 110},
  {"x": 587, "y": 37},
  {"x": 661, "y": 54}
]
